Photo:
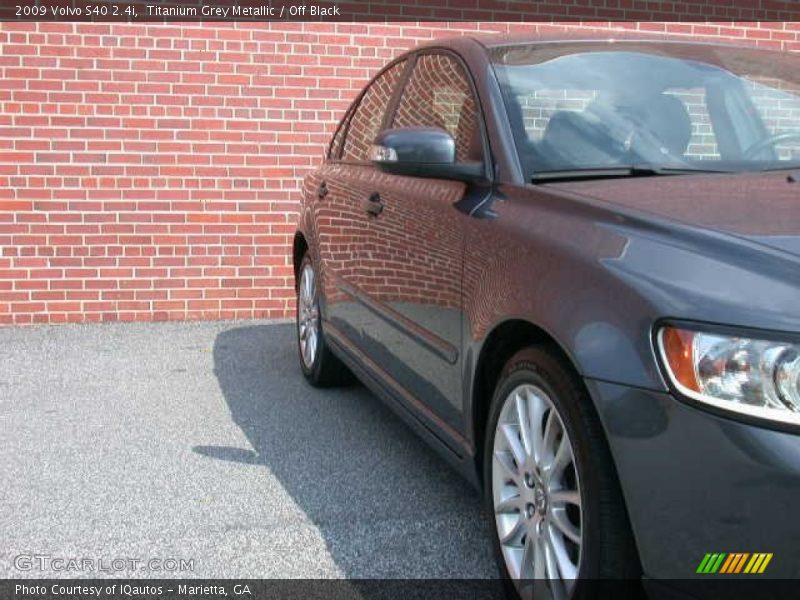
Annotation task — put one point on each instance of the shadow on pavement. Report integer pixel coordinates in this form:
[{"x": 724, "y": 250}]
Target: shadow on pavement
[{"x": 386, "y": 504}]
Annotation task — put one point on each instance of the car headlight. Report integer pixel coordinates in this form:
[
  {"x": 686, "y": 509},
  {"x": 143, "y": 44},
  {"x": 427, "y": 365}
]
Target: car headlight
[{"x": 756, "y": 377}]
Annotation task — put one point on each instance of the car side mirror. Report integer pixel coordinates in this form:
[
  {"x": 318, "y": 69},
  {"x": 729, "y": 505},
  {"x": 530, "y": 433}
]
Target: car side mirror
[{"x": 422, "y": 152}]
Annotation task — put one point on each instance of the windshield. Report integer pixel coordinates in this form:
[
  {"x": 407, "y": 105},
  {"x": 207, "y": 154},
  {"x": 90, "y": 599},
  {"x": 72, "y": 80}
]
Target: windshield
[{"x": 584, "y": 107}]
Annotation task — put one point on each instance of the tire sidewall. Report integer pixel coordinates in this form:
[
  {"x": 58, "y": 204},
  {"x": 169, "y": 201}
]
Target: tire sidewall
[{"x": 533, "y": 366}]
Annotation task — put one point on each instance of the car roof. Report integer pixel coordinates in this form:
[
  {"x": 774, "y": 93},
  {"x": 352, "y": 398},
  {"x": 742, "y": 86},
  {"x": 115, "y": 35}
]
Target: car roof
[
  {"x": 577, "y": 36},
  {"x": 581, "y": 35}
]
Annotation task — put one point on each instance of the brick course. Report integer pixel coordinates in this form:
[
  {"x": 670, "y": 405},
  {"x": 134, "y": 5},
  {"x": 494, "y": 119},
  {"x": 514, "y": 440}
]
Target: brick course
[{"x": 153, "y": 171}]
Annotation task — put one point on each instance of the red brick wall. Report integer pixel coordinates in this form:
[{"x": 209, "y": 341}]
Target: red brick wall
[{"x": 152, "y": 172}]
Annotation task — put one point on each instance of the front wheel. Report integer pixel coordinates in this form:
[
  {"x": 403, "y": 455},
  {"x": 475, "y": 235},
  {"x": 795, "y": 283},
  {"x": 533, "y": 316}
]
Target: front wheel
[
  {"x": 320, "y": 367},
  {"x": 559, "y": 521}
]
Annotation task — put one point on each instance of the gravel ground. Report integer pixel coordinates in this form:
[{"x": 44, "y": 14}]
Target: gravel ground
[{"x": 202, "y": 441}]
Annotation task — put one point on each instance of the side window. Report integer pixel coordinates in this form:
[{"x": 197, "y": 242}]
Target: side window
[
  {"x": 365, "y": 124},
  {"x": 438, "y": 94}
]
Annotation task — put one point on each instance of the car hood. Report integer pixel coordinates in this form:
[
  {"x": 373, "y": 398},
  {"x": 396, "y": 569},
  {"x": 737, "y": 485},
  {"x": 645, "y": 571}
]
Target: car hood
[{"x": 763, "y": 207}]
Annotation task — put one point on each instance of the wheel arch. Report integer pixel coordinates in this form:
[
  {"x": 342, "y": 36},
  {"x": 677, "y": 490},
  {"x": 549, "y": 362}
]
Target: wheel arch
[
  {"x": 501, "y": 343},
  {"x": 299, "y": 248}
]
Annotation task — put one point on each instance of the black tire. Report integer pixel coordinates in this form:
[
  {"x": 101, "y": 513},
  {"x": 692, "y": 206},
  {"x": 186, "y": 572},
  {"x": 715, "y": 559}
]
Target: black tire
[
  {"x": 608, "y": 551},
  {"x": 326, "y": 370}
]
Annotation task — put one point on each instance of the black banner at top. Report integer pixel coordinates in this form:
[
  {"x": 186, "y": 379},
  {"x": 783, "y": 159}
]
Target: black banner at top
[{"x": 399, "y": 10}]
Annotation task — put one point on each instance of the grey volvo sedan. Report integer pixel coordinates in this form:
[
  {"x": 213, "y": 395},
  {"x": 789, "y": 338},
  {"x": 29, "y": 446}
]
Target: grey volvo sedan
[{"x": 572, "y": 267}]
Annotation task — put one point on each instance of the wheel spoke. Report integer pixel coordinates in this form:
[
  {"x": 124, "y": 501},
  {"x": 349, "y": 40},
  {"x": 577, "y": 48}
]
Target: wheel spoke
[
  {"x": 536, "y": 409},
  {"x": 565, "y": 566},
  {"x": 509, "y": 506},
  {"x": 562, "y": 497},
  {"x": 550, "y": 429},
  {"x": 504, "y": 459},
  {"x": 312, "y": 344},
  {"x": 560, "y": 520},
  {"x": 538, "y": 559},
  {"x": 513, "y": 536},
  {"x": 309, "y": 285},
  {"x": 512, "y": 441},
  {"x": 551, "y": 567},
  {"x": 526, "y": 566},
  {"x": 523, "y": 418},
  {"x": 562, "y": 458}
]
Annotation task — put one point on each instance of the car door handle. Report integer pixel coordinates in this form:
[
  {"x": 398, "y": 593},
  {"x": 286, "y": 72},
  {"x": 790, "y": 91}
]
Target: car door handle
[
  {"x": 322, "y": 190},
  {"x": 373, "y": 205}
]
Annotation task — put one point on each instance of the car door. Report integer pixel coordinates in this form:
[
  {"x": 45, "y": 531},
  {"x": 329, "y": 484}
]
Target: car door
[
  {"x": 410, "y": 266},
  {"x": 340, "y": 222}
]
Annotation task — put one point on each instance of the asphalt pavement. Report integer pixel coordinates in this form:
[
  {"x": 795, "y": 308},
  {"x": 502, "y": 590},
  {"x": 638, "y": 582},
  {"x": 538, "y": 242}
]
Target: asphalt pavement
[{"x": 202, "y": 443}]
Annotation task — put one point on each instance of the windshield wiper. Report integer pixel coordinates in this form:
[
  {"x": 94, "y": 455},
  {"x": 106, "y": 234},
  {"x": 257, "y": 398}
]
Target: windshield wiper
[{"x": 613, "y": 172}]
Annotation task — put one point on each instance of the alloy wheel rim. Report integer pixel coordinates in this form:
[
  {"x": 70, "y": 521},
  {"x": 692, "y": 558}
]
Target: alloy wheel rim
[
  {"x": 308, "y": 316},
  {"x": 536, "y": 494}
]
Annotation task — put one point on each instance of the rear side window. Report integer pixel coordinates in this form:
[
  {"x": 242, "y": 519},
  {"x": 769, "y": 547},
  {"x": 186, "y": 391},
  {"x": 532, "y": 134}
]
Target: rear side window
[
  {"x": 438, "y": 94},
  {"x": 365, "y": 124}
]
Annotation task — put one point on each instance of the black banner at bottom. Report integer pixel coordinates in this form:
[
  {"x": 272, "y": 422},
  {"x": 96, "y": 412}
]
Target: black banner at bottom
[{"x": 381, "y": 589}]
